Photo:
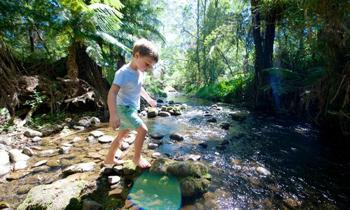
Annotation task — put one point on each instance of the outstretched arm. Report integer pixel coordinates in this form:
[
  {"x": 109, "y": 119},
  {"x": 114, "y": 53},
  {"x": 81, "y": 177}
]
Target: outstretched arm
[{"x": 148, "y": 98}]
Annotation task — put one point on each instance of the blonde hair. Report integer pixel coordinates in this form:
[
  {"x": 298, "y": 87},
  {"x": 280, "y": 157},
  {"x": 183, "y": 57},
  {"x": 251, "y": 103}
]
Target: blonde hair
[{"x": 145, "y": 48}]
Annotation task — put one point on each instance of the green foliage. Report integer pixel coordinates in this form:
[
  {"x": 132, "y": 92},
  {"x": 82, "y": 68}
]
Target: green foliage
[
  {"x": 36, "y": 101},
  {"x": 46, "y": 119},
  {"x": 227, "y": 90},
  {"x": 154, "y": 86}
]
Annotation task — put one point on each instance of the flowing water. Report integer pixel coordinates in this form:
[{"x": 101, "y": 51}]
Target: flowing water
[
  {"x": 300, "y": 172},
  {"x": 262, "y": 162}
]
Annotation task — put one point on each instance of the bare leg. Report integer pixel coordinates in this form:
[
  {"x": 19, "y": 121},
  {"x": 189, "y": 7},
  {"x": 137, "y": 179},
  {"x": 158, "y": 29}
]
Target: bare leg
[
  {"x": 115, "y": 145},
  {"x": 140, "y": 137}
]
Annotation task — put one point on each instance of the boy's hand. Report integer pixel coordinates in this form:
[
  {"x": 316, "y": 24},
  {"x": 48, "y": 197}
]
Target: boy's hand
[
  {"x": 114, "y": 122},
  {"x": 152, "y": 102}
]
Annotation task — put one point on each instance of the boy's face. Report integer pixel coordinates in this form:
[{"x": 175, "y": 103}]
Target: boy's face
[{"x": 144, "y": 63}]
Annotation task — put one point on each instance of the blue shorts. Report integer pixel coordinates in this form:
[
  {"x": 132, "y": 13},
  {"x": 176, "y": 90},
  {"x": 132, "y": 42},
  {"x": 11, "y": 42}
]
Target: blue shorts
[{"x": 129, "y": 119}]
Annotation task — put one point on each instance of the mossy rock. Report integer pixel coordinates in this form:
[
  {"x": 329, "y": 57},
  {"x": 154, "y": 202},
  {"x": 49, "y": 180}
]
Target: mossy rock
[
  {"x": 192, "y": 187},
  {"x": 187, "y": 168}
]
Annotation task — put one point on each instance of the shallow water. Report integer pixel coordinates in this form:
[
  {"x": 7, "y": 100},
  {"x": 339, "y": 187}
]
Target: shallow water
[{"x": 302, "y": 174}]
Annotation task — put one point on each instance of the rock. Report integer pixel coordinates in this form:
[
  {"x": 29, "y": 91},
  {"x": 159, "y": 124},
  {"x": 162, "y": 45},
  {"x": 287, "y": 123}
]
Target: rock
[
  {"x": 77, "y": 139},
  {"x": 78, "y": 127},
  {"x": 116, "y": 192},
  {"x": 118, "y": 154},
  {"x": 176, "y": 137},
  {"x": 130, "y": 139},
  {"x": 20, "y": 165},
  {"x": 105, "y": 139},
  {"x": 4, "y": 158},
  {"x": 64, "y": 150},
  {"x": 152, "y": 146},
  {"x": 16, "y": 155},
  {"x": 40, "y": 163},
  {"x": 239, "y": 115},
  {"x": 57, "y": 195},
  {"x": 17, "y": 175},
  {"x": 91, "y": 205},
  {"x": 36, "y": 139},
  {"x": 113, "y": 179},
  {"x": 48, "y": 153},
  {"x": 225, "y": 126},
  {"x": 4, "y": 205},
  {"x": 79, "y": 168},
  {"x": 263, "y": 171},
  {"x": 96, "y": 133},
  {"x": 23, "y": 189},
  {"x": 194, "y": 157},
  {"x": 192, "y": 187},
  {"x": 91, "y": 139},
  {"x": 213, "y": 119},
  {"x": 156, "y": 155},
  {"x": 129, "y": 168},
  {"x": 4, "y": 169},
  {"x": 160, "y": 101},
  {"x": 53, "y": 163},
  {"x": 124, "y": 146},
  {"x": 164, "y": 114},
  {"x": 156, "y": 135},
  {"x": 152, "y": 112},
  {"x": 67, "y": 144},
  {"x": 95, "y": 121},
  {"x": 187, "y": 168},
  {"x": 84, "y": 122},
  {"x": 183, "y": 106},
  {"x": 28, "y": 151},
  {"x": 32, "y": 133}
]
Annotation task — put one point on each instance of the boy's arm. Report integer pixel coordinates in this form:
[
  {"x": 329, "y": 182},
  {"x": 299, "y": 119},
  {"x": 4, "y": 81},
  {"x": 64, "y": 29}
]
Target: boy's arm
[
  {"x": 148, "y": 98},
  {"x": 114, "y": 121}
]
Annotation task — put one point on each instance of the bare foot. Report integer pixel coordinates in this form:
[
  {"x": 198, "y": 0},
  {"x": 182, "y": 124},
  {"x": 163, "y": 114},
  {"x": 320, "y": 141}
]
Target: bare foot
[
  {"x": 142, "y": 163},
  {"x": 114, "y": 162}
]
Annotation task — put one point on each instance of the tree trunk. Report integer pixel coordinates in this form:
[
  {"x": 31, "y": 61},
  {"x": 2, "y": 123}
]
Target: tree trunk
[{"x": 71, "y": 64}]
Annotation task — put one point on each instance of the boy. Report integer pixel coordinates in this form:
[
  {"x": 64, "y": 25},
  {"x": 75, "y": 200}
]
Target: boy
[{"x": 124, "y": 100}]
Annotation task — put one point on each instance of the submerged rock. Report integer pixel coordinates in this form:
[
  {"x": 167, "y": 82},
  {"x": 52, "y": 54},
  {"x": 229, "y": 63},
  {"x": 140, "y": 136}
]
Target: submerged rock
[{"x": 78, "y": 168}]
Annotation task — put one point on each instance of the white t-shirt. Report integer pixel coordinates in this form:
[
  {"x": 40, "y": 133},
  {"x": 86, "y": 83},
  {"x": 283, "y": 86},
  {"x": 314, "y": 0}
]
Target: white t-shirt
[{"x": 130, "y": 83}]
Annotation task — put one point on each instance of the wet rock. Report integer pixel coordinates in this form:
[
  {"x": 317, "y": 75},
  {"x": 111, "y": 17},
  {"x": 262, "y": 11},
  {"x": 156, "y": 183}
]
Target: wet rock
[
  {"x": 213, "y": 120},
  {"x": 91, "y": 205},
  {"x": 45, "y": 196},
  {"x": 53, "y": 163},
  {"x": 152, "y": 146},
  {"x": 113, "y": 179},
  {"x": 191, "y": 187},
  {"x": 176, "y": 137},
  {"x": 263, "y": 171},
  {"x": 187, "y": 168},
  {"x": 152, "y": 112},
  {"x": 32, "y": 133},
  {"x": 225, "y": 126},
  {"x": 156, "y": 135},
  {"x": 239, "y": 115},
  {"x": 79, "y": 168},
  {"x": 164, "y": 114},
  {"x": 183, "y": 106},
  {"x": 40, "y": 163},
  {"x": 96, "y": 133},
  {"x": 115, "y": 192},
  {"x": 16, "y": 155},
  {"x": 4, "y": 205},
  {"x": 129, "y": 168},
  {"x": 105, "y": 139}
]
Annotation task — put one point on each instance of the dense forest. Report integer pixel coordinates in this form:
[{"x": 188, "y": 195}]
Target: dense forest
[
  {"x": 281, "y": 56},
  {"x": 285, "y": 59}
]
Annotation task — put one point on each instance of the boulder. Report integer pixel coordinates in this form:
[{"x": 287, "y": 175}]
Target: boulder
[
  {"x": 78, "y": 168},
  {"x": 58, "y": 195},
  {"x": 239, "y": 115},
  {"x": 176, "y": 137},
  {"x": 152, "y": 112}
]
